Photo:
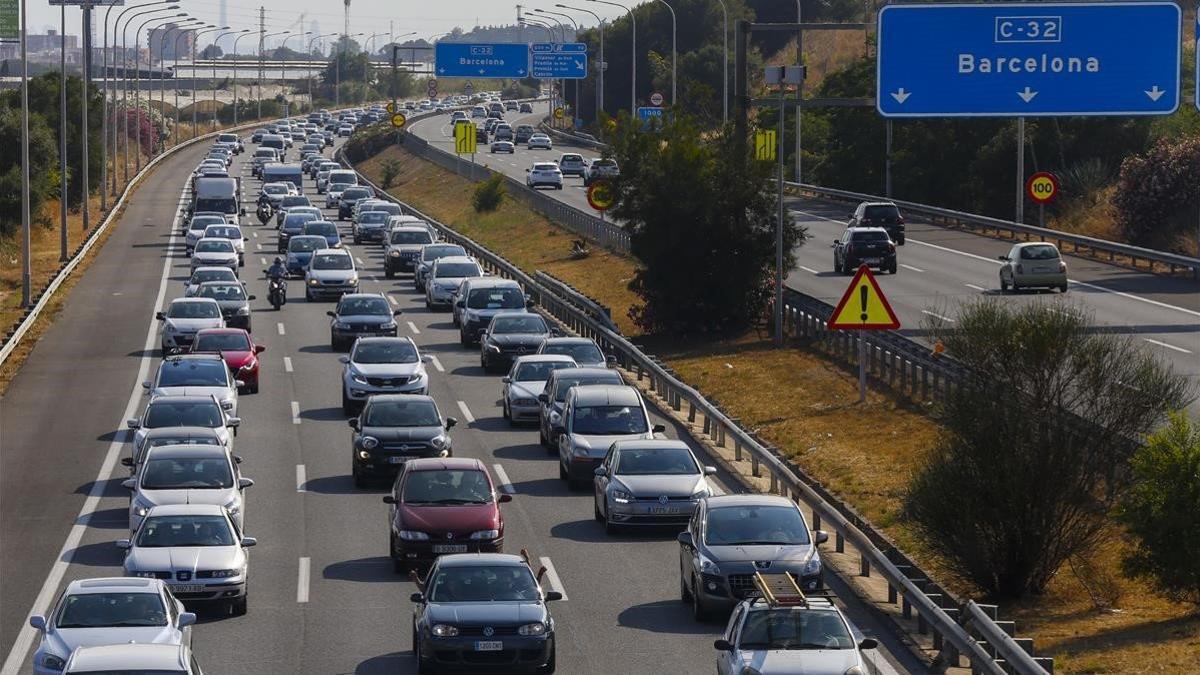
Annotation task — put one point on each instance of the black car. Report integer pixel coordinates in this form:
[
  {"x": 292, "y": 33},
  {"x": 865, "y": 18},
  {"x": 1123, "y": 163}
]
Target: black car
[
  {"x": 880, "y": 214},
  {"x": 232, "y": 297},
  {"x": 509, "y": 335},
  {"x": 359, "y": 314},
  {"x": 349, "y": 198},
  {"x": 526, "y": 108},
  {"x": 483, "y": 610},
  {"x": 392, "y": 429},
  {"x": 870, "y": 246}
]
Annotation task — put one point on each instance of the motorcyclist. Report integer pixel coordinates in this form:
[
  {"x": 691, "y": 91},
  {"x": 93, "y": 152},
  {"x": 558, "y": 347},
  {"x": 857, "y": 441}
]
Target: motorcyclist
[
  {"x": 264, "y": 211},
  {"x": 278, "y": 272}
]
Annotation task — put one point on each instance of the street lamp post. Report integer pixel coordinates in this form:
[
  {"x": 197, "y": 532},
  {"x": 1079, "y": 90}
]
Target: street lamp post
[
  {"x": 550, "y": 33},
  {"x": 599, "y": 68},
  {"x": 110, "y": 105},
  {"x": 367, "y": 70},
  {"x": 193, "y": 32},
  {"x": 633, "y": 54},
  {"x": 337, "y": 65},
  {"x": 235, "y": 73},
  {"x": 674, "y": 53},
  {"x": 195, "y": 123},
  {"x": 725, "y": 66},
  {"x": 262, "y": 45},
  {"x": 62, "y": 137},
  {"x": 125, "y": 92},
  {"x": 311, "y": 101},
  {"x": 283, "y": 45},
  {"x": 216, "y": 41},
  {"x": 137, "y": 78},
  {"x": 579, "y": 108},
  {"x": 162, "y": 59}
]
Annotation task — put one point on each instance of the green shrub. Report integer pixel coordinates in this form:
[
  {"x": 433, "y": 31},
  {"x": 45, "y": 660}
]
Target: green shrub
[
  {"x": 1157, "y": 193},
  {"x": 489, "y": 194},
  {"x": 388, "y": 171}
]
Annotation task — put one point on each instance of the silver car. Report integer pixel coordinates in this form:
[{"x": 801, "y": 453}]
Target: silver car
[
  {"x": 183, "y": 411},
  {"x": 656, "y": 482},
  {"x": 111, "y": 610},
  {"x": 184, "y": 317},
  {"x": 196, "y": 375},
  {"x": 330, "y": 273},
  {"x": 445, "y": 276},
  {"x": 594, "y": 417},
  {"x": 333, "y": 193},
  {"x": 213, "y": 252},
  {"x": 430, "y": 253},
  {"x": 196, "y": 228},
  {"x": 1033, "y": 264},
  {"x": 234, "y": 234},
  {"x": 196, "y": 549},
  {"x": 583, "y": 351},
  {"x": 187, "y": 474},
  {"x": 154, "y": 438},
  {"x": 203, "y": 274},
  {"x": 382, "y": 365},
  {"x": 525, "y": 380}
]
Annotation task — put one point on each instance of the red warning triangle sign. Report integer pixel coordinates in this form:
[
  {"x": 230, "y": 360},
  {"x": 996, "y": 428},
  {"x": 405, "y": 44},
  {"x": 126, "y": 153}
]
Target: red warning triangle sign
[{"x": 864, "y": 306}]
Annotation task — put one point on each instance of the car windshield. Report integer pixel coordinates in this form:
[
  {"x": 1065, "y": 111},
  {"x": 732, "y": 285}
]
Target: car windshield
[
  {"x": 294, "y": 200},
  {"x": 219, "y": 246},
  {"x": 161, "y": 414},
  {"x": 447, "y": 487},
  {"x": 338, "y": 187},
  {"x": 538, "y": 371},
  {"x": 265, "y": 153},
  {"x": 193, "y": 310},
  {"x": 457, "y": 271},
  {"x": 373, "y": 217},
  {"x": 582, "y": 352},
  {"x": 789, "y": 628},
  {"x": 369, "y": 306},
  {"x": 605, "y": 163},
  {"x": 296, "y": 221},
  {"x": 654, "y": 461},
  {"x": 881, "y": 212},
  {"x": 755, "y": 525},
  {"x": 409, "y": 237},
  {"x": 222, "y": 274},
  {"x": 571, "y": 158},
  {"x": 222, "y": 292},
  {"x": 198, "y": 372},
  {"x": 323, "y": 228},
  {"x": 496, "y": 298},
  {"x": 332, "y": 261},
  {"x": 222, "y": 342},
  {"x": 525, "y": 323},
  {"x": 490, "y": 583},
  {"x": 111, "y": 610},
  {"x": 390, "y": 351},
  {"x": 355, "y": 193},
  {"x": 202, "y": 222},
  {"x": 274, "y": 189},
  {"x": 870, "y": 236},
  {"x": 306, "y": 244},
  {"x": 430, "y": 253},
  {"x": 419, "y": 413},
  {"x": 564, "y": 385},
  {"x": 164, "y": 531},
  {"x": 605, "y": 420},
  {"x": 1039, "y": 252},
  {"x": 209, "y": 473}
]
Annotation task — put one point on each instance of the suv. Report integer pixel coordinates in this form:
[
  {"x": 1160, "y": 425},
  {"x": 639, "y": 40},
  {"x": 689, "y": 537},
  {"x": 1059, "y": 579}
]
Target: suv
[
  {"x": 481, "y": 298},
  {"x": 429, "y": 254},
  {"x": 572, "y": 164},
  {"x": 522, "y": 133},
  {"x": 404, "y": 246},
  {"x": 601, "y": 169},
  {"x": 349, "y": 196},
  {"x": 880, "y": 214},
  {"x": 509, "y": 335},
  {"x": 393, "y": 429},
  {"x": 730, "y": 537},
  {"x": 868, "y": 246},
  {"x": 594, "y": 417}
]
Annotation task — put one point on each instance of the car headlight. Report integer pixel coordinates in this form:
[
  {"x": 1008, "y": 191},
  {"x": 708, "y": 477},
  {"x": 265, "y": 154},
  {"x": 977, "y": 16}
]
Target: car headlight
[
  {"x": 140, "y": 510},
  {"x": 368, "y": 442},
  {"x": 537, "y": 628},
  {"x": 364, "y": 455},
  {"x": 579, "y": 450},
  {"x": 227, "y": 404},
  {"x": 813, "y": 566},
  {"x": 250, "y": 365},
  {"x": 169, "y": 327},
  {"x": 225, "y": 574},
  {"x": 485, "y": 534},
  {"x": 708, "y": 567},
  {"x": 313, "y": 282},
  {"x": 493, "y": 347},
  {"x": 394, "y": 254},
  {"x": 442, "y": 630},
  {"x": 621, "y": 497},
  {"x": 413, "y": 535},
  {"x": 554, "y": 417},
  {"x": 243, "y": 311},
  {"x": 341, "y": 325},
  {"x": 699, "y": 494},
  {"x": 358, "y": 377},
  {"x": 53, "y": 662},
  {"x": 855, "y": 670}
]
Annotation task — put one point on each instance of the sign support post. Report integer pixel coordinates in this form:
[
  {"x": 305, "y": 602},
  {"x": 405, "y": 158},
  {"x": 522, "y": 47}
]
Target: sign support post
[
  {"x": 1020, "y": 170},
  {"x": 863, "y": 307},
  {"x": 862, "y": 367}
]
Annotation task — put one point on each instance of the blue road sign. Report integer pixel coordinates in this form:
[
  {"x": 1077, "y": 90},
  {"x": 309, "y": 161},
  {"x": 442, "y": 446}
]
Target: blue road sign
[
  {"x": 569, "y": 65},
  {"x": 647, "y": 113},
  {"x": 1028, "y": 60},
  {"x": 546, "y": 47},
  {"x": 494, "y": 60}
]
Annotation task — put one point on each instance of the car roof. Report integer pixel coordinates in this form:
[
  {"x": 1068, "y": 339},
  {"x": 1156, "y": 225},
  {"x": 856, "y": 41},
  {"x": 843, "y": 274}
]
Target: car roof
[
  {"x": 1027, "y": 244},
  {"x": 445, "y": 464},
  {"x": 181, "y": 431},
  {"x": 480, "y": 559},
  {"x": 359, "y": 296},
  {"x": 204, "y": 239},
  {"x": 107, "y": 584},
  {"x": 180, "y": 358},
  {"x": 336, "y": 251},
  {"x": 384, "y": 339},
  {"x": 186, "y": 300},
  {"x": 212, "y": 268},
  {"x": 223, "y": 331},
  {"x": 187, "y": 510},
  {"x": 491, "y": 282},
  {"x": 588, "y": 371},
  {"x": 182, "y": 398},
  {"x": 123, "y": 657},
  {"x": 605, "y": 394},
  {"x": 878, "y": 204},
  {"x": 386, "y": 398},
  {"x": 447, "y": 259},
  {"x": 861, "y": 230},
  {"x": 748, "y": 499},
  {"x": 187, "y": 450},
  {"x": 409, "y": 228}
]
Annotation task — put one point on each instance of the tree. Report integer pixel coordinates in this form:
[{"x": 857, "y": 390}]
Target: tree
[
  {"x": 701, "y": 217},
  {"x": 1036, "y": 441},
  {"x": 43, "y": 170},
  {"x": 211, "y": 52},
  {"x": 1162, "y": 514},
  {"x": 1156, "y": 194}
]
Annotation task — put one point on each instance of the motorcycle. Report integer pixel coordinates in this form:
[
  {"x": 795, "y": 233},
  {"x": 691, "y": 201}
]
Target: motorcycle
[
  {"x": 277, "y": 292},
  {"x": 264, "y": 213}
]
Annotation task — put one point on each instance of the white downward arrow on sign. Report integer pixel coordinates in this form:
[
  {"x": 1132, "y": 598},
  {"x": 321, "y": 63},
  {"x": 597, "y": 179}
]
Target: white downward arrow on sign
[
  {"x": 1027, "y": 95},
  {"x": 1155, "y": 93},
  {"x": 901, "y": 96},
  {"x": 579, "y": 65}
]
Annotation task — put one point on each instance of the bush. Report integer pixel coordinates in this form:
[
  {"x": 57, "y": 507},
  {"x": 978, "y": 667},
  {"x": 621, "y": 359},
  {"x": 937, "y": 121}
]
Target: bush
[
  {"x": 1036, "y": 443},
  {"x": 1162, "y": 511},
  {"x": 1157, "y": 194},
  {"x": 489, "y": 194},
  {"x": 389, "y": 170}
]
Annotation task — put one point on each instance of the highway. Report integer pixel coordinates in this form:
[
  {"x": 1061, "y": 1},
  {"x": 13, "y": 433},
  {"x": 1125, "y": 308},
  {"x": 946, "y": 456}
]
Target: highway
[
  {"x": 939, "y": 268},
  {"x": 323, "y": 596}
]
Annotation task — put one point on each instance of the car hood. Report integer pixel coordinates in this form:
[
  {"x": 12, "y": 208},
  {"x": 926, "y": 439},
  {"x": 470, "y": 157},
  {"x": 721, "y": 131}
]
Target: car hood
[
  {"x": 529, "y": 389},
  {"x": 518, "y": 339},
  {"x": 487, "y": 613},
  {"x": 235, "y": 360},
  {"x": 387, "y": 369},
  {"x": 597, "y": 445},
  {"x": 219, "y": 392},
  {"x": 651, "y": 486},
  {"x": 457, "y": 521},
  {"x": 212, "y": 255},
  {"x": 368, "y": 319},
  {"x": 233, "y": 304},
  {"x": 403, "y": 433},
  {"x": 193, "y": 325},
  {"x": 331, "y": 275},
  {"x": 64, "y": 641},
  {"x": 185, "y": 558},
  {"x": 220, "y": 496},
  {"x": 808, "y": 661},
  {"x": 783, "y": 554}
]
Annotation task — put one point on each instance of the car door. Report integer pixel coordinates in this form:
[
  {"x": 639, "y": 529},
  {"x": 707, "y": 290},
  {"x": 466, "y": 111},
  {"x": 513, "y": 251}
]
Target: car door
[
  {"x": 687, "y": 554},
  {"x": 1006, "y": 270},
  {"x": 564, "y": 440},
  {"x": 728, "y": 661}
]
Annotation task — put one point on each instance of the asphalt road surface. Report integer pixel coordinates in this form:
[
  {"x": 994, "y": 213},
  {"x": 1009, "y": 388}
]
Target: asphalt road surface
[{"x": 323, "y": 597}]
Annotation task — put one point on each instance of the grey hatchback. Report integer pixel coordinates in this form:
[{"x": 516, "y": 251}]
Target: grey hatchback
[{"x": 394, "y": 428}]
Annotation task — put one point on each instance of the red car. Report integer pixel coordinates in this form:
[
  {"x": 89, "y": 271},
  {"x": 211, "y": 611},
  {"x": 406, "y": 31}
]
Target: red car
[
  {"x": 237, "y": 348},
  {"x": 443, "y": 505}
]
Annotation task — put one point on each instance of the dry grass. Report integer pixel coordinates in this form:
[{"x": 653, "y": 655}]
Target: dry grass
[
  {"x": 808, "y": 407},
  {"x": 825, "y": 52}
]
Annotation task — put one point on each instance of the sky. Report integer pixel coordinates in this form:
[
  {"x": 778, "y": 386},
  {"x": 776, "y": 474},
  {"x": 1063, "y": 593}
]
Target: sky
[{"x": 366, "y": 16}]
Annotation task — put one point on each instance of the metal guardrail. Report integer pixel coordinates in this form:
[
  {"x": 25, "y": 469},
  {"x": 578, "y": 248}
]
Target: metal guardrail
[
  {"x": 602, "y": 314},
  {"x": 948, "y": 635}
]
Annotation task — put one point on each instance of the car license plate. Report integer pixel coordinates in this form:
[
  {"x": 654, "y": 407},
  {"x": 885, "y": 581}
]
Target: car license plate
[
  {"x": 1041, "y": 270},
  {"x": 662, "y": 510},
  {"x": 871, "y": 261},
  {"x": 489, "y": 646},
  {"x": 397, "y": 460},
  {"x": 450, "y": 548},
  {"x": 186, "y": 588}
]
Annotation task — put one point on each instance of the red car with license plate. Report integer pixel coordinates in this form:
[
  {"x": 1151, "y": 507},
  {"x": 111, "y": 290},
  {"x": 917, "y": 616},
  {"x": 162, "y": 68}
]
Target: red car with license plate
[{"x": 237, "y": 348}]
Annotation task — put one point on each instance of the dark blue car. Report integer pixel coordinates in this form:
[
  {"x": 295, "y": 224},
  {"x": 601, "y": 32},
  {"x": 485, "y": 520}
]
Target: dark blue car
[
  {"x": 300, "y": 251},
  {"x": 324, "y": 228}
]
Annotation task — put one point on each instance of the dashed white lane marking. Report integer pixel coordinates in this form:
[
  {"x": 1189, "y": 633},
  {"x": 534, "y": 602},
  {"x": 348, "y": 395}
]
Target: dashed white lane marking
[
  {"x": 287, "y": 364},
  {"x": 505, "y": 483},
  {"x": 552, "y": 576},
  {"x": 359, "y": 261},
  {"x": 302, "y": 574},
  {"x": 301, "y": 478},
  {"x": 910, "y": 267},
  {"x": 393, "y": 301},
  {"x": 282, "y": 331},
  {"x": 1181, "y": 350},
  {"x": 413, "y": 327},
  {"x": 937, "y": 316},
  {"x": 437, "y": 363},
  {"x": 295, "y": 412},
  {"x": 466, "y": 412},
  {"x": 255, "y": 234},
  {"x": 808, "y": 269},
  {"x": 264, "y": 260},
  {"x": 258, "y": 246},
  {"x": 978, "y": 288}
]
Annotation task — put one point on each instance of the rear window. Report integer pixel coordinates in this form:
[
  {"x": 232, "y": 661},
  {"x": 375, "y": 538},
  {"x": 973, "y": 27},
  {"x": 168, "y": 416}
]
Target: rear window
[
  {"x": 1039, "y": 252},
  {"x": 457, "y": 271},
  {"x": 883, "y": 212},
  {"x": 405, "y": 238},
  {"x": 870, "y": 236},
  {"x": 496, "y": 298}
]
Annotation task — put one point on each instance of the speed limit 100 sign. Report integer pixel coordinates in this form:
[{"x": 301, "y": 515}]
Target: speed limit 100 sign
[{"x": 1042, "y": 187}]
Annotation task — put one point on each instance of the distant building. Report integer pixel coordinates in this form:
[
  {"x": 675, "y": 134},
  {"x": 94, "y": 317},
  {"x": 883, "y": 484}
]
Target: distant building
[
  {"x": 45, "y": 48},
  {"x": 171, "y": 33}
]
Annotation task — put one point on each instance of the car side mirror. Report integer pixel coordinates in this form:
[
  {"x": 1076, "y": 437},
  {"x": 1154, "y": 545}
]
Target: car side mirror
[
  {"x": 247, "y": 542},
  {"x": 160, "y": 316},
  {"x": 601, "y": 471},
  {"x": 723, "y": 644},
  {"x": 685, "y": 539},
  {"x": 820, "y": 536},
  {"x": 425, "y": 358},
  {"x": 658, "y": 428},
  {"x": 187, "y": 619},
  {"x": 343, "y": 359},
  {"x": 451, "y": 422},
  {"x": 243, "y": 212},
  {"x": 244, "y": 483},
  {"x": 610, "y": 360},
  {"x": 526, "y": 170},
  {"x": 506, "y": 379},
  {"x": 239, "y": 383},
  {"x": 1002, "y": 257},
  {"x": 124, "y": 543},
  {"x": 258, "y": 349},
  {"x": 417, "y": 598},
  {"x": 127, "y": 461},
  {"x": 146, "y": 384},
  {"x": 551, "y": 596},
  {"x": 133, "y": 424},
  {"x": 331, "y": 313},
  {"x": 543, "y": 398},
  {"x": 129, "y": 483},
  {"x": 353, "y": 422},
  {"x": 38, "y": 621},
  {"x": 868, "y": 643},
  {"x": 233, "y": 422},
  {"x": 710, "y": 471},
  {"x": 237, "y": 459},
  {"x": 251, "y": 297},
  {"x": 389, "y": 499}
]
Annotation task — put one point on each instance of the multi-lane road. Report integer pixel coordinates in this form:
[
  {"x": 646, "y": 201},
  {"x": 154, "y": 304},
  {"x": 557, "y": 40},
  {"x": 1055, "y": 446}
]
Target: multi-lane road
[
  {"x": 323, "y": 597},
  {"x": 939, "y": 269}
]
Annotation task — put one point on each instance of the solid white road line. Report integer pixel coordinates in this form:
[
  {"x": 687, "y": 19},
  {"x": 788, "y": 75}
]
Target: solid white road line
[
  {"x": 20, "y": 646},
  {"x": 437, "y": 363},
  {"x": 281, "y": 329},
  {"x": 505, "y": 483},
  {"x": 413, "y": 327},
  {"x": 287, "y": 364},
  {"x": 466, "y": 412},
  {"x": 937, "y": 316},
  {"x": 295, "y": 412},
  {"x": 301, "y": 478},
  {"x": 808, "y": 269},
  {"x": 1181, "y": 350},
  {"x": 978, "y": 288},
  {"x": 552, "y": 576},
  {"x": 302, "y": 573},
  {"x": 910, "y": 267}
]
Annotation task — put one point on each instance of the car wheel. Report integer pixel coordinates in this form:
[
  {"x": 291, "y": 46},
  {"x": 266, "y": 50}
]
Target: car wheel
[
  {"x": 507, "y": 415},
  {"x": 900, "y": 240},
  {"x": 1062, "y": 289},
  {"x": 596, "y": 509},
  {"x": 238, "y": 607},
  {"x": 542, "y": 436},
  {"x": 1003, "y": 284},
  {"x": 388, "y": 272},
  {"x": 398, "y": 565},
  {"x": 307, "y": 296},
  {"x": 892, "y": 268},
  {"x": 685, "y": 593},
  {"x": 424, "y": 667},
  {"x": 610, "y": 527},
  {"x": 428, "y": 305},
  {"x": 699, "y": 611},
  {"x": 357, "y": 240},
  {"x": 549, "y": 666},
  {"x": 575, "y": 485},
  {"x": 462, "y": 339},
  {"x": 253, "y": 388}
]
